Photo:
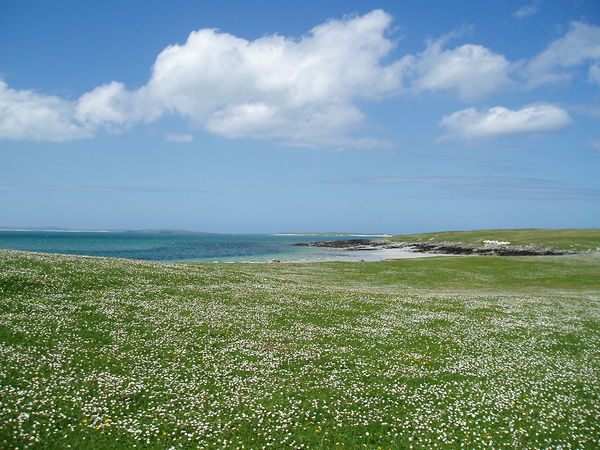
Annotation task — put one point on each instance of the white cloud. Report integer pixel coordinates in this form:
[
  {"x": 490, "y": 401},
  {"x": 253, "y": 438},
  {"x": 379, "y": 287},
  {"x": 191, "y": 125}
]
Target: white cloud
[
  {"x": 579, "y": 45},
  {"x": 301, "y": 91},
  {"x": 177, "y": 137},
  {"x": 471, "y": 70},
  {"x": 526, "y": 11},
  {"x": 294, "y": 91},
  {"x": 27, "y": 115},
  {"x": 499, "y": 122},
  {"x": 276, "y": 87},
  {"x": 113, "y": 106},
  {"x": 297, "y": 91},
  {"x": 245, "y": 119},
  {"x": 304, "y": 91},
  {"x": 104, "y": 104}
]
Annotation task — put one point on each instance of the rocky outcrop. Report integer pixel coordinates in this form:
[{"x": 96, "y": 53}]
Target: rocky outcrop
[
  {"x": 454, "y": 248},
  {"x": 443, "y": 248},
  {"x": 351, "y": 244}
]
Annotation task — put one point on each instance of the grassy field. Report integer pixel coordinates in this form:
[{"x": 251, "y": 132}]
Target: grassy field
[
  {"x": 566, "y": 239},
  {"x": 441, "y": 352}
]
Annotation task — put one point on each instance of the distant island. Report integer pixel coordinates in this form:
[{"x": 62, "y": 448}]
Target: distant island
[{"x": 70, "y": 230}]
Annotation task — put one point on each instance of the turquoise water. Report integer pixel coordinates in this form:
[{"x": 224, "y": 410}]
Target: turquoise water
[{"x": 177, "y": 246}]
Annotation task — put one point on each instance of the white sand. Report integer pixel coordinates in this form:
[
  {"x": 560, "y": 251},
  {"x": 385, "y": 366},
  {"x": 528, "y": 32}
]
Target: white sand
[{"x": 383, "y": 254}]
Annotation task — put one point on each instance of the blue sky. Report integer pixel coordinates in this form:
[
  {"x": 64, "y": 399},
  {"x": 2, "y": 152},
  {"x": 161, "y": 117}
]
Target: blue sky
[{"x": 281, "y": 116}]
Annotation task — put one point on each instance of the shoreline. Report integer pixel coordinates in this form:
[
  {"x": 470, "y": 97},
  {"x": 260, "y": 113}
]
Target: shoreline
[
  {"x": 352, "y": 253},
  {"x": 367, "y": 255},
  {"x": 286, "y": 249},
  {"x": 438, "y": 248}
]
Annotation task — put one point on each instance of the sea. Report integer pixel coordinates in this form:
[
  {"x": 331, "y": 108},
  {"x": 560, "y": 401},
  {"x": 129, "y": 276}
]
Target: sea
[{"x": 188, "y": 247}]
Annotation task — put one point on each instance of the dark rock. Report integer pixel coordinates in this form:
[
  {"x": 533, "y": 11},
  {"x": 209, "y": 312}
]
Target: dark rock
[
  {"x": 444, "y": 248},
  {"x": 454, "y": 248},
  {"x": 346, "y": 243}
]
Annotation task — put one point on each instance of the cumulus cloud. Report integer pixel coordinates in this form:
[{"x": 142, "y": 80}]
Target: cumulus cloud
[
  {"x": 27, "y": 115},
  {"x": 104, "y": 104},
  {"x": 579, "y": 45},
  {"x": 499, "y": 122},
  {"x": 274, "y": 87},
  {"x": 297, "y": 91},
  {"x": 471, "y": 70}
]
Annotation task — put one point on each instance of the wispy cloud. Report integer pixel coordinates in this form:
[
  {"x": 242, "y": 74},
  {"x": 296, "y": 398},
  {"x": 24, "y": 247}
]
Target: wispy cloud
[
  {"x": 180, "y": 138},
  {"x": 593, "y": 144},
  {"x": 580, "y": 45},
  {"x": 71, "y": 188},
  {"x": 590, "y": 110},
  {"x": 489, "y": 187},
  {"x": 526, "y": 11},
  {"x": 594, "y": 74},
  {"x": 511, "y": 148}
]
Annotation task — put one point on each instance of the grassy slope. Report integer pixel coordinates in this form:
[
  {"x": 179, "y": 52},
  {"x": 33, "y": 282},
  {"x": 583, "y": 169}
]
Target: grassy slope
[
  {"x": 474, "y": 274},
  {"x": 98, "y": 353},
  {"x": 573, "y": 239}
]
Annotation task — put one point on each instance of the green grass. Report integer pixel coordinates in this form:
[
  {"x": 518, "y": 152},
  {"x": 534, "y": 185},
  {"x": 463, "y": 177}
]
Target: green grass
[
  {"x": 566, "y": 239},
  {"x": 473, "y": 274},
  {"x": 448, "y": 351}
]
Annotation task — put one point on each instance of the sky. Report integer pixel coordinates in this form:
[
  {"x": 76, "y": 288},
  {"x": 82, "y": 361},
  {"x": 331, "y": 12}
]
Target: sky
[{"x": 270, "y": 116}]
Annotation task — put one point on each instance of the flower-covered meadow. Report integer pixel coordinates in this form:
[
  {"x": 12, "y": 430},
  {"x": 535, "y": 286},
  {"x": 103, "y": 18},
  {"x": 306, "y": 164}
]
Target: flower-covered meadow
[{"x": 98, "y": 353}]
